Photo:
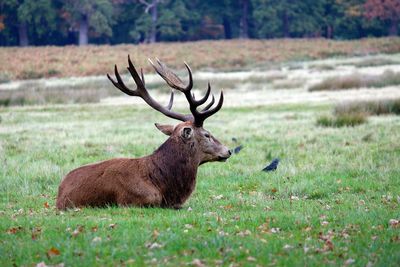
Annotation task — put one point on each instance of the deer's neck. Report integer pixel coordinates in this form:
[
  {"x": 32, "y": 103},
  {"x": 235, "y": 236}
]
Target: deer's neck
[{"x": 174, "y": 171}]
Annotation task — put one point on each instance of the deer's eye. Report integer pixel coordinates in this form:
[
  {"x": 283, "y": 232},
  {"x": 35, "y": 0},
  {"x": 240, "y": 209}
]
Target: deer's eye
[{"x": 207, "y": 135}]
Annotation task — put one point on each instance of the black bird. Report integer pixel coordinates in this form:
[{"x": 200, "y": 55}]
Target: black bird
[
  {"x": 237, "y": 149},
  {"x": 272, "y": 166}
]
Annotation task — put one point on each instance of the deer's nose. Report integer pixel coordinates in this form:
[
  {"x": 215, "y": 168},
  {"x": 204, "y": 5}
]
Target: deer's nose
[{"x": 230, "y": 152}]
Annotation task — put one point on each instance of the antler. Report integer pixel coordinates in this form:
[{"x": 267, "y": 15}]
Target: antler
[
  {"x": 142, "y": 92},
  {"x": 175, "y": 82}
]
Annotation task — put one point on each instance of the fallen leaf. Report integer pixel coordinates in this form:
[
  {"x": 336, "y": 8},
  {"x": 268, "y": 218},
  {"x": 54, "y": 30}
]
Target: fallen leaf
[
  {"x": 349, "y": 261},
  {"x": 250, "y": 258},
  {"x": 308, "y": 229},
  {"x": 275, "y": 230},
  {"x": 328, "y": 245},
  {"x": 14, "y": 230},
  {"x": 274, "y": 190},
  {"x": 198, "y": 263},
  {"x": 394, "y": 223},
  {"x": 112, "y": 226},
  {"x": 287, "y": 247},
  {"x": 95, "y": 228},
  {"x": 218, "y": 197},
  {"x": 36, "y": 232},
  {"x": 154, "y": 245},
  {"x": 53, "y": 252},
  {"x": 324, "y": 223},
  {"x": 46, "y": 205},
  {"x": 155, "y": 233},
  {"x": 244, "y": 233},
  {"x": 78, "y": 230},
  {"x": 228, "y": 207}
]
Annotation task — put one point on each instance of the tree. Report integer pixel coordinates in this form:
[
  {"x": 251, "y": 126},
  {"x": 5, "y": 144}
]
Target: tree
[
  {"x": 87, "y": 16},
  {"x": 288, "y": 18},
  {"x": 153, "y": 8},
  {"x": 38, "y": 15},
  {"x": 386, "y": 10},
  {"x": 227, "y": 14},
  {"x": 176, "y": 20},
  {"x": 244, "y": 23}
]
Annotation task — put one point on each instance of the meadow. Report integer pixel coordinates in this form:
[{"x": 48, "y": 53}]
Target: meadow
[{"x": 334, "y": 199}]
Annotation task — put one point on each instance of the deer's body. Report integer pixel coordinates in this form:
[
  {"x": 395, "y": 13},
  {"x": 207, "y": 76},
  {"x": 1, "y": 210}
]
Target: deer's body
[{"x": 165, "y": 178}]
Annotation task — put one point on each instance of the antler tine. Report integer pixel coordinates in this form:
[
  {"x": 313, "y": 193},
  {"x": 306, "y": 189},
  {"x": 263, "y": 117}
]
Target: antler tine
[
  {"x": 120, "y": 84},
  {"x": 171, "y": 100},
  {"x": 139, "y": 82},
  {"x": 209, "y": 105},
  {"x": 202, "y": 116},
  {"x": 205, "y": 97},
  {"x": 141, "y": 74},
  {"x": 190, "y": 84}
]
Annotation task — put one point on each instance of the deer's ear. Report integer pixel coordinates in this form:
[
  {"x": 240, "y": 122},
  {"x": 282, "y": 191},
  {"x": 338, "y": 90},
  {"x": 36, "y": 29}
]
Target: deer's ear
[
  {"x": 187, "y": 132},
  {"x": 165, "y": 128}
]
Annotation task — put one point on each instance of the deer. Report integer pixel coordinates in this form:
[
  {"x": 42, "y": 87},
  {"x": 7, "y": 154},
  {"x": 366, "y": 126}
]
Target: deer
[{"x": 164, "y": 179}]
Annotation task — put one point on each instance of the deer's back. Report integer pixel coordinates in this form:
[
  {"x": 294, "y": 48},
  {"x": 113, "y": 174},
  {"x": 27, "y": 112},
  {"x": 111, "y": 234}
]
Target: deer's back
[{"x": 121, "y": 181}]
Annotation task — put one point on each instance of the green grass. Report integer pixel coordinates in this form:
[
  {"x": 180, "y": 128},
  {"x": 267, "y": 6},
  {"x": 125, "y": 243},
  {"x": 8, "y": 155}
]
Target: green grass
[{"x": 328, "y": 203}]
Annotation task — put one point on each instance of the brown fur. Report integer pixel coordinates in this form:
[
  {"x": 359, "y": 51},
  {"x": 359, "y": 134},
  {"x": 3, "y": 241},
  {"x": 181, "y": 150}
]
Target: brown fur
[{"x": 164, "y": 179}]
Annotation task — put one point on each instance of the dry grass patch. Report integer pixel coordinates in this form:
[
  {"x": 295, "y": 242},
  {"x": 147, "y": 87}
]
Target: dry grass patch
[
  {"x": 61, "y": 96},
  {"x": 375, "y": 107},
  {"x": 288, "y": 84},
  {"x": 357, "y": 112},
  {"x": 373, "y": 62},
  {"x": 70, "y": 61},
  {"x": 358, "y": 80}
]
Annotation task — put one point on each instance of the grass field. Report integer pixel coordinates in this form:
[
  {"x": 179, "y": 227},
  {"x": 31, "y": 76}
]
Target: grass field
[
  {"x": 334, "y": 199},
  {"x": 330, "y": 201}
]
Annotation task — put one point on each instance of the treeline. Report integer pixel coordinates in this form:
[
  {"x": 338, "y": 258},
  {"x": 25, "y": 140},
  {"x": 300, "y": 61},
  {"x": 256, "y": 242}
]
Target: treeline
[{"x": 62, "y": 22}]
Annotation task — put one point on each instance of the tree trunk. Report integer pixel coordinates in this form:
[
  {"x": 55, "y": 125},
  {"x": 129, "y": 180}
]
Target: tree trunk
[
  {"x": 329, "y": 32},
  {"x": 83, "y": 30},
  {"x": 244, "y": 23},
  {"x": 227, "y": 28},
  {"x": 154, "y": 18},
  {"x": 393, "y": 30},
  {"x": 23, "y": 34},
  {"x": 285, "y": 18}
]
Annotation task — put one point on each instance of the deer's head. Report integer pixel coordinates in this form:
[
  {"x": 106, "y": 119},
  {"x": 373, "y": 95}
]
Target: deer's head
[{"x": 190, "y": 132}]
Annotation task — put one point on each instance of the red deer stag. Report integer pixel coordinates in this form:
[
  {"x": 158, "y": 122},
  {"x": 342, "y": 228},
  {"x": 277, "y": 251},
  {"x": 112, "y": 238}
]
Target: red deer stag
[{"x": 165, "y": 178}]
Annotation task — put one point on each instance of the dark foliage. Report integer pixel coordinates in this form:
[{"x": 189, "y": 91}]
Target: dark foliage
[{"x": 61, "y": 22}]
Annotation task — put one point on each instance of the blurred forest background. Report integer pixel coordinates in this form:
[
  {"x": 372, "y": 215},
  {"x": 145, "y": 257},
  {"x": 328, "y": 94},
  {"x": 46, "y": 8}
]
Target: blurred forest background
[{"x": 66, "y": 22}]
